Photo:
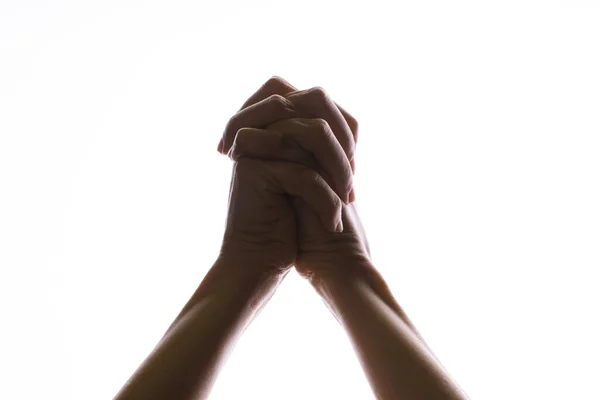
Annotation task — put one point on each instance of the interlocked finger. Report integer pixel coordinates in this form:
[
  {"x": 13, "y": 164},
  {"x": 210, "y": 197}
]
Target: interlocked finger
[
  {"x": 302, "y": 141},
  {"x": 268, "y": 105}
]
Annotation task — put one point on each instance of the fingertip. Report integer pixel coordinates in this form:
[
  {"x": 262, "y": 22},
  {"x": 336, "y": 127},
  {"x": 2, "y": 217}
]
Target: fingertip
[
  {"x": 220, "y": 146},
  {"x": 348, "y": 194},
  {"x": 339, "y": 228},
  {"x": 351, "y": 196}
]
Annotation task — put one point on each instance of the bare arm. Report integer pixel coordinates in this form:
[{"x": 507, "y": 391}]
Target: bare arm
[
  {"x": 186, "y": 361},
  {"x": 396, "y": 360}
]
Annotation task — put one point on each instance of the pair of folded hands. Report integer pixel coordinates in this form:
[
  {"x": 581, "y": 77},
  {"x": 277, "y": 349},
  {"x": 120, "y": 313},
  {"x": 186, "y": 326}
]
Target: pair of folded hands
[
  {"x": 292, "y": 198},
  {"x": 291, "y": 203}
]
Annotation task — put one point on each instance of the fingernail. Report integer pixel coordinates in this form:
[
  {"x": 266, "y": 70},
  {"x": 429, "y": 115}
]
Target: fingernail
[
  {"x": 220, "y": 146},
  {"x": 351, "y": 196},
  {"x": 339, "y": 227}
]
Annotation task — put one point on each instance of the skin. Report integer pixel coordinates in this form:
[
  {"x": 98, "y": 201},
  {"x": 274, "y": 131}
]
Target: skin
[{"x": 291, "y": 203}]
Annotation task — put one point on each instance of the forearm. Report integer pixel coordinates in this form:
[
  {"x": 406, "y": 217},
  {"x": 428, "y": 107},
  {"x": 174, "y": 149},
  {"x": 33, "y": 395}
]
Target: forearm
[
  {"x": 185, "y": 362},
  {"x": 394, "y": 357}
]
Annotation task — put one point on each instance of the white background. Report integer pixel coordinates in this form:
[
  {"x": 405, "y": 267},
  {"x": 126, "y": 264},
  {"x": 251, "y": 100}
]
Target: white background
[{"x": 478, "y": 182}]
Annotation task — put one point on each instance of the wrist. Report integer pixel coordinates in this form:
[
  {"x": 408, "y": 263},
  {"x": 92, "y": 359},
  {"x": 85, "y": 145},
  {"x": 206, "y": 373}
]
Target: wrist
[
  {"x": 346, "y": 275},
  {"x": 236, "y": 285},
  {"x": 267, "y": 259},
  {"x": 237, "y": 280},
  {"x": 243, "y": 272},
  {"x": 334, "y": 269}
]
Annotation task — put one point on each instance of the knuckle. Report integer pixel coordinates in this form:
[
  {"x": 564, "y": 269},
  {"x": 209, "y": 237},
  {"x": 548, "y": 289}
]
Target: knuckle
[
  {"x": 241, "y": 137},
  {"x": 318, "y": 93},
  {"x": 321, "y": 132},
  {"x": 279, "y": 101},
  {"x": 275, "y": 82},
  {"x": 276, "y": 98},
  {"x": 238, "y": 135},
  {"x": 321, "y": 126}
]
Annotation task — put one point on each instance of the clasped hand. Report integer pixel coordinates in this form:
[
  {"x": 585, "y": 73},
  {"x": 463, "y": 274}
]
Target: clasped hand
[
  {"x": 291, "y": 203},
  {"x": 292, "y": 197}
]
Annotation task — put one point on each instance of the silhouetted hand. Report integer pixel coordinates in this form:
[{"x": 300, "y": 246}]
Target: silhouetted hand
[{"x": 305, "y": 128}]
